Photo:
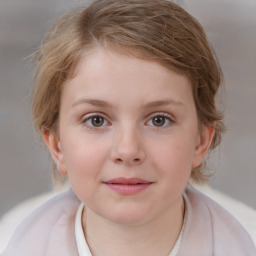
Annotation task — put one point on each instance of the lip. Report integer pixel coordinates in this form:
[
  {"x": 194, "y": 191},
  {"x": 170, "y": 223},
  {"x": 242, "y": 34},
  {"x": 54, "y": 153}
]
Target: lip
[{"x": 128, "y": 186}]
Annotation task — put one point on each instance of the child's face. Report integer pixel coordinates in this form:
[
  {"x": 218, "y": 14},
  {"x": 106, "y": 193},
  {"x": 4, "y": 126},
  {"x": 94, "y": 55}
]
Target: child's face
[{"x": 128, "y": 137}]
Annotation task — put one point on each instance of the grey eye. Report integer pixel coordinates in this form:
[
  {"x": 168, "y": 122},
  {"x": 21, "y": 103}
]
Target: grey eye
[
  {"x": 159, "y": 121},
  {"x": 97, "y": 121}
]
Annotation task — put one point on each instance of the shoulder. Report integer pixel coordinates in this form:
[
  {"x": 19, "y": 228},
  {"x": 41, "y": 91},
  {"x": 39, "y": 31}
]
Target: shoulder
[
  {"x": 218, "y": 214},
  {"x": 54, "y": 219},
  {"x": 224, "y": 231}
]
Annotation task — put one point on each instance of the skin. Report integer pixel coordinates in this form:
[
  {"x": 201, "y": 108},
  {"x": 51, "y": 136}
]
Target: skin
[{"x": 146, "y": 127}]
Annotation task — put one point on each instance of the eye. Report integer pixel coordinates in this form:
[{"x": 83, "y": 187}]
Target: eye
[
  {"x": 160, "y": 121},
  {"x": 95, "y": 121}
]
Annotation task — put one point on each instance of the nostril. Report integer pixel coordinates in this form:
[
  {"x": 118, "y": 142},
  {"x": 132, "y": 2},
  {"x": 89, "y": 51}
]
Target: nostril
[{"x": 119, "y": 160}]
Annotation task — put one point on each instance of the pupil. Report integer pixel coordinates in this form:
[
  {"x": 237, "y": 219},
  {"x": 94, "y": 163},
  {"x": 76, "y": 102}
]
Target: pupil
[
  {"x": 97, "y": 121},
  {"x": 158, "y": 121}
]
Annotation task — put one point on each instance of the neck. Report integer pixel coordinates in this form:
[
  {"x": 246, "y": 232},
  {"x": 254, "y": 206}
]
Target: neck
[{"x": 155, "y": 237}]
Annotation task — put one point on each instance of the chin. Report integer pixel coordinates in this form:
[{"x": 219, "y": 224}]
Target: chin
[{"x": 129, "y": 217}]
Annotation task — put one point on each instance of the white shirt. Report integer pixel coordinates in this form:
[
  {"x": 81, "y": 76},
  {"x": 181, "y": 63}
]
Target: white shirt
[
  {"x": 208, "y": 227},
  {"x": 83, "y": 247}
]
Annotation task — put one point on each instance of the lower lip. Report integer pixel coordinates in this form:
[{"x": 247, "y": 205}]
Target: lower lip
[{"x": 128, "y": 189}]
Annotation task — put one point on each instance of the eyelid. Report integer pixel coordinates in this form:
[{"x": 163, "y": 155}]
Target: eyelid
[
  {"x": 94, "y": 114},
  {"x": 162, "y": 114}
]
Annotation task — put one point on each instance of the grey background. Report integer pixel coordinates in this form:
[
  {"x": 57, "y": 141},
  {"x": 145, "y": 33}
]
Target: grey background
[{"x": 24, "y": 162}]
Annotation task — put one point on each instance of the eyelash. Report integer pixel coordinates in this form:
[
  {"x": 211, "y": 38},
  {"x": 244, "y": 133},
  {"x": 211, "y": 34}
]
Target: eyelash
[
  {"x": 165, "y": 116},
  {"x": 86, "y": 119}
]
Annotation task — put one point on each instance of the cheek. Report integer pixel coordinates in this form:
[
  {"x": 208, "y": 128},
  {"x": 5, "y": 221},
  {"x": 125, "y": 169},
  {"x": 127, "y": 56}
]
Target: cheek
[
  {"x": 174, "y": 158},
  {"x": 84, "y": 163},
  {"x": 83, "y": 158}
]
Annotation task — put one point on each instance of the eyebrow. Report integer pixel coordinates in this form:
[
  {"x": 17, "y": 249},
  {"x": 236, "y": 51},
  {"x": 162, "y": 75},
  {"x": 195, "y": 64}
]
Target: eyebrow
[
  {"x": 94, "y": 102},
  {"x": 160, "y": 103},
  {"x": 103, "y": 104}
]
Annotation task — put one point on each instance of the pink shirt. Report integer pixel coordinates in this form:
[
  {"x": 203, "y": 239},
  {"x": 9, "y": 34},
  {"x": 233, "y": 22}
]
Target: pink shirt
[{"x": 210, "y": 230}]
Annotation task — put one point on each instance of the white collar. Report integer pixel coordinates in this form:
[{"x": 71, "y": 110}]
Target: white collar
[
  {"x": 176, "y": 248},
  {"x": 83, "y": 248},
  {"x": 82, "y": 245}
]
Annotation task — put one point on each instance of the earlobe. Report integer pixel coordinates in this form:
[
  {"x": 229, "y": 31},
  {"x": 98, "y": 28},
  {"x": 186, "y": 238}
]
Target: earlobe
[
  {"x": 203, "y": 145},
  {"x": 53, "y": 144}
]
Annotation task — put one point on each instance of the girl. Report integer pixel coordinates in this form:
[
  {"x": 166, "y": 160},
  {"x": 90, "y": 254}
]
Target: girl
[{"x": 125, "y": 101}]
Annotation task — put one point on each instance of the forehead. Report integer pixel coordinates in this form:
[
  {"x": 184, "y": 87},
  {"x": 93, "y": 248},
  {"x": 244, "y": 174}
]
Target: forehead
[
  {"x": 114, "y": 50},
  {"x": 100, "y": 67},
  {"x": 98, "y": 56},
  {"x": 125, "y": 85}
]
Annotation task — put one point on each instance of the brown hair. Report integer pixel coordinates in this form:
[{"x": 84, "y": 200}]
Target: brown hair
[{"x": 155, "y": 30}]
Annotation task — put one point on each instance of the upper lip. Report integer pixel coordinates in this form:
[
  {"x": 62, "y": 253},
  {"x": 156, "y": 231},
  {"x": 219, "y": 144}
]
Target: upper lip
[{"x": 127, "y": 181}]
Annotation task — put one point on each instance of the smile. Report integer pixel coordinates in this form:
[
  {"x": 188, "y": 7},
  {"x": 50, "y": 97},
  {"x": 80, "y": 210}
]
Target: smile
[{"x": 126, "y": 186}]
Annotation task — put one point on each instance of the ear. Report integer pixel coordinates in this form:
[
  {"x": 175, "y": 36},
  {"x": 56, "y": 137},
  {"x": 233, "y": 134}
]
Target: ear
[
  {"x": 203, "y": 144},
  {"x": 53, "y": 144}
]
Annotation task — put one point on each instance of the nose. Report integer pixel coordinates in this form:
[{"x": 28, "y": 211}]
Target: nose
[{"x": 128, "y": 148}]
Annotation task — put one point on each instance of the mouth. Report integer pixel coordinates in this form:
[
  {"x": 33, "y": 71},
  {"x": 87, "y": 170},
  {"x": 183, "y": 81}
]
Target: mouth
[{"x": 128, "y": 186}]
